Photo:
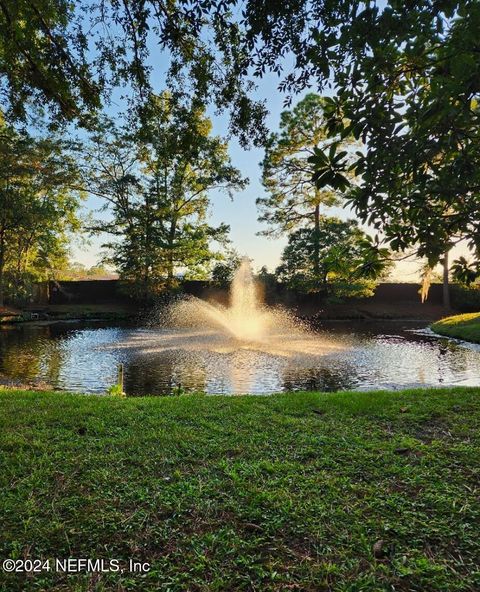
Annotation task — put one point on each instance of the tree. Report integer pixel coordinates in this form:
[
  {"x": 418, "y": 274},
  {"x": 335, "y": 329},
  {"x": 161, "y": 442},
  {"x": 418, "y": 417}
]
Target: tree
[
  {"x": 349, "y": 263},
  {"x": 156, "y": 183},
  {"x": 406, "y": 77},
  {"x": 288, "y": 174},
  {"x": 44, "y": 59},
  {"x": 47, "y": 57},
  {"x": 184, "y": 163},
  {"x": 38, "y": 208},
  {"x": 111, "y": 172},
  {"x": 420, "y": 169},
  {"x": 266, "y": 278},
  {"x": 77, "y": 271},
  {"x": 224, "y": 270}
]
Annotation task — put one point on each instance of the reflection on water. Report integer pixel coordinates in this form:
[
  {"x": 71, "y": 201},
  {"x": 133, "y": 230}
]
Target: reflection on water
[{"x": 354, "y": 355}]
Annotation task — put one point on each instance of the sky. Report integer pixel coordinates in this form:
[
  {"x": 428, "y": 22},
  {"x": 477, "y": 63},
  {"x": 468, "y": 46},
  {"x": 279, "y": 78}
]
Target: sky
[{"x": 240, "y": 213}]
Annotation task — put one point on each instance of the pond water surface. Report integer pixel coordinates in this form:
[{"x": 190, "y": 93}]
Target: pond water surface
[{"x": 360, "y": 355}]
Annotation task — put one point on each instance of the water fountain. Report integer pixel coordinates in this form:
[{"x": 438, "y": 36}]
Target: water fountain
[
  {"x": 246, "y": 323},
  {"x": 240, "y": 347},
  {"x": 246, "y": 320}
]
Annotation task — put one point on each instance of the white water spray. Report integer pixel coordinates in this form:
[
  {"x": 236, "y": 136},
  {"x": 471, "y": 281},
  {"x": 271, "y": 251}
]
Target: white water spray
[{"x": 247, "y": 323}]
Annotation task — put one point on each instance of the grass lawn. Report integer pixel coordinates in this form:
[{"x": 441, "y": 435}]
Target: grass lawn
[
  {"x": 347, "y": 492},
  {"x": 464, "y": 326}
]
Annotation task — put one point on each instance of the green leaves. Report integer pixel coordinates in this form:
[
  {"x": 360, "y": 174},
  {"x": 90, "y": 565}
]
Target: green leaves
[
  {"x": 64, "y": 59},
  {"x": 156, "y": 180},
  {"x": 329, "y": 168},
  {"x": 294, "y": 158},
  {"x": 465, "y": 272},
  {"x": 38, "y": 208},
  {"x": 335, "y": 258}
]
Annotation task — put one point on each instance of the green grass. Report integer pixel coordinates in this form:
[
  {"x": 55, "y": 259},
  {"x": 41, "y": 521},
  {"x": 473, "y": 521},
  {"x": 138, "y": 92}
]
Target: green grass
[
  {"x": 464, "y": 326},
  {"x": 288, "y": 492}
]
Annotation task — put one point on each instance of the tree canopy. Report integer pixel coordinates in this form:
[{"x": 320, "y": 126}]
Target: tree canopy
[
  {"x": 406, "y": 81},
  {"x": 68, "y": 56},
  {"x": 294, "y": 198},
  {"x": 405, "y": 78},
  {"x": 156, "y": 182},
  {"x": 287, "y": 173},
  {"x": 38, "y": 207},
  {"x": 347, "y": 266}
]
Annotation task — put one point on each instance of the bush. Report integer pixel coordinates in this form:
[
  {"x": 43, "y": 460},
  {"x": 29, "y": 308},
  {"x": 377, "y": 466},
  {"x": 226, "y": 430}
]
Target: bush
[{"x": 18, "y": 287}]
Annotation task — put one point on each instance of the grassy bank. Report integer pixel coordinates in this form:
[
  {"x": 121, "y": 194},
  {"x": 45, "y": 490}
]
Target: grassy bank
[
  {"x": 464, "y": 326},
  {"x": 312, "y": 492}
]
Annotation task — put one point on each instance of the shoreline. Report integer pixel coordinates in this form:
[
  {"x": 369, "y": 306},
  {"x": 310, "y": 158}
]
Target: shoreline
[
  {"x": 118, "y": 313},
  {"x": 463, "y": 327}
]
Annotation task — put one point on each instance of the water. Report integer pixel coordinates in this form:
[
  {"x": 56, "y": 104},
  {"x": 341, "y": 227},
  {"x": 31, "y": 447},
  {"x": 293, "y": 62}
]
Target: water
[
  {"x": 84, "y": 356},
  {"x": 245, "y": 347}
]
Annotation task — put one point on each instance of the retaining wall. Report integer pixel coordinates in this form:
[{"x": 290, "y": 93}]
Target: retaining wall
[{"x": 117, "y": 291}]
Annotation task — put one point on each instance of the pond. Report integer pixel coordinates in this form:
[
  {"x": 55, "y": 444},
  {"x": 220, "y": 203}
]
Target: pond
[{"x": 356, "y": 355}]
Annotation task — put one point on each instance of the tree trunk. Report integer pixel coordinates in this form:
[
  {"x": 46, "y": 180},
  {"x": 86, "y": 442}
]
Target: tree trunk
[
  {"x": 170, "y": 269},
  {"x": 146, "y": 283},
  {"x": 446, "y": 287},
  {"x": 1, "y": 280},
  {"x": 316, "y": 243},
  {"x": 147, "y": 254},
  {"x": 2, "y": 266},
  {"x": 171, "y": 243}
]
